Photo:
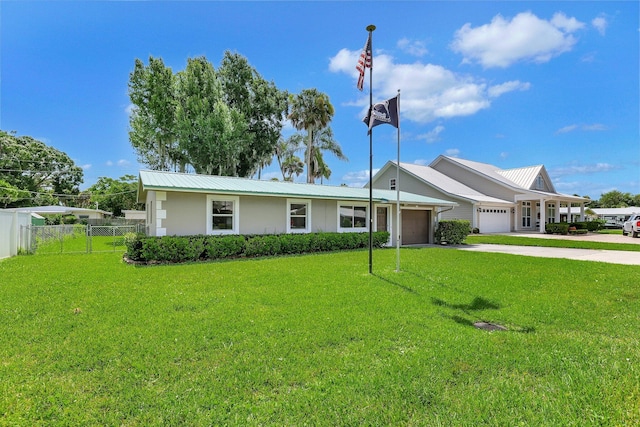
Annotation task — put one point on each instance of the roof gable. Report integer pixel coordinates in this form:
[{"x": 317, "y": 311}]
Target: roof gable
[{"x": 530, "y": 178}]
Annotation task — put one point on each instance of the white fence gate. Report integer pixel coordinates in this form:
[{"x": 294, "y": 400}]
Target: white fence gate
[{"x": 11, "y": 224}]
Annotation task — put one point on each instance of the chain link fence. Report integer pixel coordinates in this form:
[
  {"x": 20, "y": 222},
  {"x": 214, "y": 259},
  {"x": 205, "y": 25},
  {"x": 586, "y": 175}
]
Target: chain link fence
[{"x": 76, "y": 238}]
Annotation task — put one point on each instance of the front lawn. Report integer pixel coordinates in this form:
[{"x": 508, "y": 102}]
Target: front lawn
[{"x": 316, "y": 340}]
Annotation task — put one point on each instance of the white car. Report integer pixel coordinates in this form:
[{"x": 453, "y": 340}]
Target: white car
[{"x": 632, "y": 226}]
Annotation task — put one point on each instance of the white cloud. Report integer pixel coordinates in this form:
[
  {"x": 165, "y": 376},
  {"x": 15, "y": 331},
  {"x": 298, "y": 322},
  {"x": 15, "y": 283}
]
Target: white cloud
[
  {"x": 412, "y": 47},
  {"x": 581, "y": 169},
  {"x": 429, "y": 91},
  {"x": 504, "y": 155},
  {"x": 595, "y": 127},
  {"x": 109, "y": 163},
  {"x": 124, "y": 163},
  {"x": 524, "y": 38},
  {"x": 358, "y": 178},
  {"x": 421, "y": 162},
  {"x": 433, "y": 135},
  {"x": 452, "y": 152},
  {"x": 600, "y": 23},
  {"x": 86, "y": 167},
  {"x": 497, "y": 90}
]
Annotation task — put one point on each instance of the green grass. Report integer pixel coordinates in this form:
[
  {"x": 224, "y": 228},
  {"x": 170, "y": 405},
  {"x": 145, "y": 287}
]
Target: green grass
[
  {"x": 500, "y": 239},
  {"x": 77, "y": 243},
  {"x": 316, "y": 340}
]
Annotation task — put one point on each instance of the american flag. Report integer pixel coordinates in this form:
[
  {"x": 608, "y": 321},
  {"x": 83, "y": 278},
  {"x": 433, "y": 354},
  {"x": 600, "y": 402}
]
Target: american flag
[{"x": 365, "y": 61}]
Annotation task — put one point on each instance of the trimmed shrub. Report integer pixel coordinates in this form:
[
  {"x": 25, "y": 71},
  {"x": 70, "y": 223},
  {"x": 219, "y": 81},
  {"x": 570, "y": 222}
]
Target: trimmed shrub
[
  {"x": 594, "y": 225},
  {"x": 217, "y": 247},
  {"x": 199, "y": 247},
  {"x": 262, "y": 246},
  {"x": 452, "y": 232},
  {"x": 133, "y": 243},
  {"x": 556, "y": 228}
]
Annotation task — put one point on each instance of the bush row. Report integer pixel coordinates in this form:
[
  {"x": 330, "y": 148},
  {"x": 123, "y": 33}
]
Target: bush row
[
  {"x": 563, "y": 227},
  {"x": 452, "y": 232},
  {"x": 142, "y": 248}
]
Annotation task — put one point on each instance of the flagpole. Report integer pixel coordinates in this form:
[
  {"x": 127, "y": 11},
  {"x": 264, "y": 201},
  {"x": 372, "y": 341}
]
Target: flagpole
[
  {"x": 398, "y": 192},
  {"x": 371, "y": 29}
]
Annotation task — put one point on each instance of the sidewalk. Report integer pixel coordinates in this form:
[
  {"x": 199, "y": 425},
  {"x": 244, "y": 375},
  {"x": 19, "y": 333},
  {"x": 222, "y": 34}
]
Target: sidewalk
[{"x": 614, "y": 257}]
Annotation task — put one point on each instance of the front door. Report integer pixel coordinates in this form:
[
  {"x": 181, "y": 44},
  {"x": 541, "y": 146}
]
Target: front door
[
  {"x": 382, "y": 220},
  {"x": 526, "y": 214}
]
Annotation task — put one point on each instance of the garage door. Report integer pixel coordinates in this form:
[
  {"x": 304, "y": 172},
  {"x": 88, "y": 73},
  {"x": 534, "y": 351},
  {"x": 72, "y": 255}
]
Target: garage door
[
  {"x": 415, "y": 227},
  {"x": 494, "y": 220}
]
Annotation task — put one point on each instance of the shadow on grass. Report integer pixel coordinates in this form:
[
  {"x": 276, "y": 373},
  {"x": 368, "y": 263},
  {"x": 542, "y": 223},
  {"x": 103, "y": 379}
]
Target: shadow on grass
[
  {"x": 399, "y": 285},
  {"x": 478, "y": 303}
]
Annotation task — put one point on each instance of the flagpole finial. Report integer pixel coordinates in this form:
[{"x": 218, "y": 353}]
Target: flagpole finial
[{"x": 371, "y": 27}]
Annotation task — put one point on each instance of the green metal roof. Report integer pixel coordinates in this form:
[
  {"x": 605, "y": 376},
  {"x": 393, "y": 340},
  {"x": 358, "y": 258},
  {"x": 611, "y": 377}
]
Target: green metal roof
[{"x": 172, "y": 181}]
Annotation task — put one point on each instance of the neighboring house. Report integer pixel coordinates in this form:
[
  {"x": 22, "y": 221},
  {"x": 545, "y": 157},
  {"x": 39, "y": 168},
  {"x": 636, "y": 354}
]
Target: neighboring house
[
  {"x": 187, "y": 204},
  {"x": 134, "y": 215},
  {"x": 79, "y": 213},
  {"x": 492, "y": 199},
  {"x": 613, "y": 217}
]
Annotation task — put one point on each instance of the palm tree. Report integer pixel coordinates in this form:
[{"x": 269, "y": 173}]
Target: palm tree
[
  {"x": 323, "y": 141},
  {"x": 285, "y": 150},
  {"x": 310, "y": 110},
  {"x": 292, "y": 165}
]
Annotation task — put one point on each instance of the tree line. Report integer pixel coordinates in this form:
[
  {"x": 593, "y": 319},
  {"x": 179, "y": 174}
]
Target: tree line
[{"x": 225, "y": 122}]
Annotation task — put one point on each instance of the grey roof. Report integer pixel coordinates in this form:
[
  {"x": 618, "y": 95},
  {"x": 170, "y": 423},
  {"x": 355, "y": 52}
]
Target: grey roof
[
  {"x": 448, "y": 185},
  {"x": 523, "y": 177},
  {"x": 484, "y": 168},
  {"x": 56, "y": 210},
  {"x": 172, "y": 181},
  {"x": 519, "y": 179}
]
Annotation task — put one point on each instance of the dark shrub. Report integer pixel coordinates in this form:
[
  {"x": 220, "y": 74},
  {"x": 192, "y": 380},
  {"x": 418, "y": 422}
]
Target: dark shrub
[
  {"x": 452, "y": 232},
  {"x": 217, "y": 247},
  {"x": 193, "y": 248}
]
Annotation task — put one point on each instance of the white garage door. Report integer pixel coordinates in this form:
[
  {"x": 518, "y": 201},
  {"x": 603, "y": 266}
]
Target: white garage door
[{"x": 494, "y": 220}]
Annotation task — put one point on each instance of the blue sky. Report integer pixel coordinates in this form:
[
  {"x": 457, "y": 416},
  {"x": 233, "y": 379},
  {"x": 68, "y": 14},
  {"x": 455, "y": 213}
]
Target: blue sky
[{"x": 512, "y": 84}]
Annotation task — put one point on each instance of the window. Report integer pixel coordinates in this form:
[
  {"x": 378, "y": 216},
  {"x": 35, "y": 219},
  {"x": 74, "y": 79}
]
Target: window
[
  {"x": 353, "y": 217},
  {"x": 551, "y": 212},
  {"x": 539, "y": 183},
  {"x": 526, "y": 214},
  {"x": 222, "y": 215},
  {"x": 392, "y": 184},
  {"x": 298, "y": 216}
]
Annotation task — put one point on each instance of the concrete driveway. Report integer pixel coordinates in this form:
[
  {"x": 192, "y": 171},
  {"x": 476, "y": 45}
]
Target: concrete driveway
[{"x": 614, "y": 257}]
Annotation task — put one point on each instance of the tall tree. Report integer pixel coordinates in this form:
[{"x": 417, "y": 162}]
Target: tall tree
[
  {"x": 226, "y": 122},
  {"x": 211, "y": 134},
  {"x": 262, "y": 104},
  {"x": 323, "y": 142},
  {"x": 29, "y": 165},
  {"x": 115, "y": 195},
  {"x": 152, "y": 133},
  {"x": 311, "y": 111},
  {"x": 286, "y": 155},
  {"x": 615, "y": 199}
]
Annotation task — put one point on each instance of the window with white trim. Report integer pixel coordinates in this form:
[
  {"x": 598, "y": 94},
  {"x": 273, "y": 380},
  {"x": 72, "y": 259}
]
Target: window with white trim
[
  {"x": 352, "y": 216},
  {"x": 222, "y": 214},
  {"x": 539, "y": 183},
  {"x": 392, "y": 184},
  {"x": 551, "y": 212},
  {"x": 298, "y": 216}
]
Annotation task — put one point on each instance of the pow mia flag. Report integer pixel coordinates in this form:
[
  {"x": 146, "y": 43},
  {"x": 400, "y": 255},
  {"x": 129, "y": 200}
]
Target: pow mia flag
[{"x": 381, "y": 113}]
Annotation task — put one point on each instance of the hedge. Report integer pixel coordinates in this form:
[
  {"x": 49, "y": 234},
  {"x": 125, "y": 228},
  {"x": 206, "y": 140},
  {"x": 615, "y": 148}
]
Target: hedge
[
  {"x": 556, "y": 228},
  {"x": 165, "y": 249},
  {"x": 452, "y": 232}
]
